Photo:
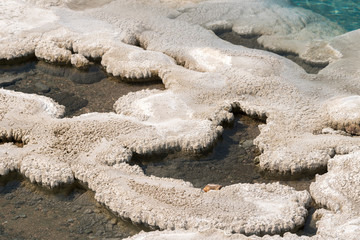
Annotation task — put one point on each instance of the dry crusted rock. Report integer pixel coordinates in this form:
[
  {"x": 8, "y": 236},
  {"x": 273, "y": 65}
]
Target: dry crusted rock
[
  {"x": 338, "y": 190},
  {"x": 79, "y": 61},
  {"x": 207, "y": 235},
  {"x": 344, "y": 114}
]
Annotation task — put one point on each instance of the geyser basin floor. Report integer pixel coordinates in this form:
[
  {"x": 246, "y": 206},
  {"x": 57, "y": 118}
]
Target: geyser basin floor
[
  {"x": 31, "y": 212},
  {"x": 80, "y": 91}
]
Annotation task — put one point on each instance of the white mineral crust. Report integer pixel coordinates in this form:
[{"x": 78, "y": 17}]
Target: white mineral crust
[{"x": 205, "y": 79}]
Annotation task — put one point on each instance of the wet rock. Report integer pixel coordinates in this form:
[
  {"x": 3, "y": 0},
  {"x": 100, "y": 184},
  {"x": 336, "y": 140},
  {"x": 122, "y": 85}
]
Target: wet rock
[
  {"x": 71, "y": 102},
  {"x": 8, "y": 80},
  {"x": 42, "y": 87},
  {"x": 90, "y": 75}
]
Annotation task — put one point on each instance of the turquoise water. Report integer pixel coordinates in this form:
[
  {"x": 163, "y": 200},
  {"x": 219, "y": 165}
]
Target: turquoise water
[{"x": 344, "y": 12}]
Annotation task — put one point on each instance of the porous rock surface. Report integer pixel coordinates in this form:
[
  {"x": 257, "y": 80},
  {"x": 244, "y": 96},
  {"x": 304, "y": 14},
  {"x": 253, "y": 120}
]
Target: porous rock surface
[
  {"x": 102, "y": 146},
  {"x": 79, "y": 61},
  {"x": 208, "y": 235},
  {"x": 205, "y": 79},
  {"x": 338, "y": 190}
]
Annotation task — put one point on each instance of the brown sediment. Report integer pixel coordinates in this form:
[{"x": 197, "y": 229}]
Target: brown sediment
[
  {"x": 250, "y": 41},
  {"x": 80, "y": 91},
  {"x": 30, "y": 211}
]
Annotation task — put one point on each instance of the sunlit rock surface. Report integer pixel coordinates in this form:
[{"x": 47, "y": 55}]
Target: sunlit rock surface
[
  {"x": 205, "y": 79},
  {"x": 101, "y": 146},
  {"x": 209, "y": 234},
  {"x": 338, "y": 190}
]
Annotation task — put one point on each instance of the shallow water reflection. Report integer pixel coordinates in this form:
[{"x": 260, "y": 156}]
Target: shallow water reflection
[
  {"x": 250, "y": 41},
  {"x": 80, "y": 91}
]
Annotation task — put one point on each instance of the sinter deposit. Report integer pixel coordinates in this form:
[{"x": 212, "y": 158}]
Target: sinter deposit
[{"x": 312, "y": 121}]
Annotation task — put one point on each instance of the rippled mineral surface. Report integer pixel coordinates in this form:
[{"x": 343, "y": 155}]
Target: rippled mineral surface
[{"x": 188, "y": 66}]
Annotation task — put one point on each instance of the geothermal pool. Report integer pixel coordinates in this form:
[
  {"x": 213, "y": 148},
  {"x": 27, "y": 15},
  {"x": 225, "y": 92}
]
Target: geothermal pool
[
  {"x": 344, "y": 12},
  {"x": 114, "y": 115}
]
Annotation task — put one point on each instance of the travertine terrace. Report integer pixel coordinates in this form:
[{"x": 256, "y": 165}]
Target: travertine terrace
[{"x": 311, "y": 120}]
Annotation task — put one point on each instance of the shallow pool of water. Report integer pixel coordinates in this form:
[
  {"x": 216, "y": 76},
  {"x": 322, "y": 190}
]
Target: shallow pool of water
[
  {"x": 230, "y": 161},
  {"x": 29, "y": 211},
  {"x": 344, "y": 12},
  {"x": 80, "y": 91},
  {"x": 250, "y": 41}
]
